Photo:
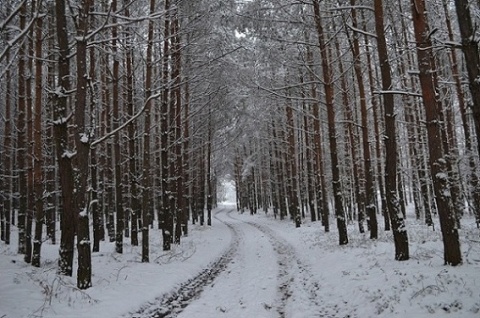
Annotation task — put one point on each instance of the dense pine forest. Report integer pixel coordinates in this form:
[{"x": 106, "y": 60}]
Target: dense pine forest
[{"x": 123, "y": 117}]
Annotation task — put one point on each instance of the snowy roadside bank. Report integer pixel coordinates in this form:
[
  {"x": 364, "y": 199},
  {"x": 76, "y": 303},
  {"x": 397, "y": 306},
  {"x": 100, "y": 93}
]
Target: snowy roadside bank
[
  {"x": 121, "y": 283},
  {"x": 362, "y": 279}
]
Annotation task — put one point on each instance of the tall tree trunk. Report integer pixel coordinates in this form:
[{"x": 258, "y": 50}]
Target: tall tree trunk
[
  {"x": 201, "y": 184},
  {"x": 94, "y": 206},
  {"x": 187, "y": 180},
  {"x": 329, "y": 94},
  {"x": 172, "y": 177},
  {"x": 178, "y": 151},
  {"x": 107, "y": 160},
  {"x": 51, "y": 184},
  {"x": 21, "y": 145},
  {"x": 376, "y": 128},
  {"x": 277, "y": 171},
  {"x": 106, "y": 157},
  {"x": 397, "y": 220},
  {"x": 208, "y": 168},
  {"x": 117, "y": 162},
  {"x": 473, "y": 181},
  {"x": 438, "y": 159},
  {"x": 352, "y": 141},
  {"x": 368, "y": 169},
  {"x": 64, "y": 154},
  {"x": 6, "y": 159},
  {"x": 282, "y": 167},
  {"x": 131, "y": 130},
  {"x": 320, "y": 191},
  {"x": 165, "y": 173},
  {"x": 82, "y": 143},
  {"x": 309, "y": 164},
  {"x": 29, "y": 145},
  {"x": 415, "y": 158},
  {"x": 291, "y": 162},
  {"x": 97, "y": 217},
  {"x": 146, "y": 193},
  {"x": 37, "y": 150},
  {"x": 472, "y": 62}
]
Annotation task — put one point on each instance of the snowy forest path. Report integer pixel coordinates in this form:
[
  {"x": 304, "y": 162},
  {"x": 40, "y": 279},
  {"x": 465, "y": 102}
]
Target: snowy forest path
[
  {"x": 297, "y": 290},
  {"x": 259, "y": 275},
  {"x": 266, "y": 278},
  {"x": 249, "y": 285},
  {"x": 172, "y": 303}
]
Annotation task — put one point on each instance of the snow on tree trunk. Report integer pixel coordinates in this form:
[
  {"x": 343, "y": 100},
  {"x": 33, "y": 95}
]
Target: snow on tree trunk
[
  {"x": 329, "y": 96},
  {"x": 393, "y": 207},
  {"x": 439, "y": 165},
  {"x": 61, "y": 135}
]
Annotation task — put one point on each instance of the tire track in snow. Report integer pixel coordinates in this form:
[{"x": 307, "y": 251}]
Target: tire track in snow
[
  {"x": 284, "y": 253},
  {"x": 172, "y": 303},
  {"x": 298, "y": 285},
  {"x": 288, "y": 263},
  {"x": 248, "y": 287}
]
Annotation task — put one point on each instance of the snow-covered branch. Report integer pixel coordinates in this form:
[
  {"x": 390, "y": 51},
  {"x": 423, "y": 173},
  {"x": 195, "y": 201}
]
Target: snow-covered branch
[
  {"x": 4, "y": 23},
  {"x": 125, "y": 124},
  {"x": 397, "y": 93},
  {"x": 15, "y": 40}
]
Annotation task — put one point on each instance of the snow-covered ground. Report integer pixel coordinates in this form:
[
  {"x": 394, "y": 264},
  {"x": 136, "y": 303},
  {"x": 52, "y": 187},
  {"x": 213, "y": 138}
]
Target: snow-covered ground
[{"x": 254, "y": 266}]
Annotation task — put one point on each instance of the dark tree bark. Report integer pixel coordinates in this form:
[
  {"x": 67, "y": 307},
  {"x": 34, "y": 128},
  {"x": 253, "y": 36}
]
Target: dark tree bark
[
  {"x": 179, "y": 142},
  {"x": 351, "y": 137},
  {"x": 310, "y": 175},
  {"x": 7, "y": 158},
  {"x": 94, "y": 206},
  {"x": 117, "y": 162},
  {"x": 439, "y": 165},
  {"x": 97, "y": 216},
  {"x": 208, "y": 169},
  {"x": 186, "y": 159},
  {"x": 51, "y": 192},
  {"x": 133, "y": 177},
  {"x": 37, "y": 150},
  {"x": 471, "y": 53},
  {"x": 107, "y": 159},
  {"x": 393, "y": 207},
  {"x": 368, "y": 169},
  {"x": 21, "y": 145},
  {"x": 472, "y": 58},
  {"x": 29, "y": 140},
  {"x": 164, "y": 110},
  {"x": 291, "y": 162},
  {"x": 200, "y": 194},
  {"x": 173, "y": 73},
  {"x": 64, "y": 155},
  {"x": 329, "y": 96},
  {"x": 146, "y": 192},
  {"x": 320, "y": 191},
  {"x": 81, "y": 160},
  {"x": 280, "y": 153},
  {"x": 380, "y": 179}
]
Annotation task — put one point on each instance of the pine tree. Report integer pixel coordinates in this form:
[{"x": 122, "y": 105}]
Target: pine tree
[{"x": 393, "y": 207}]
